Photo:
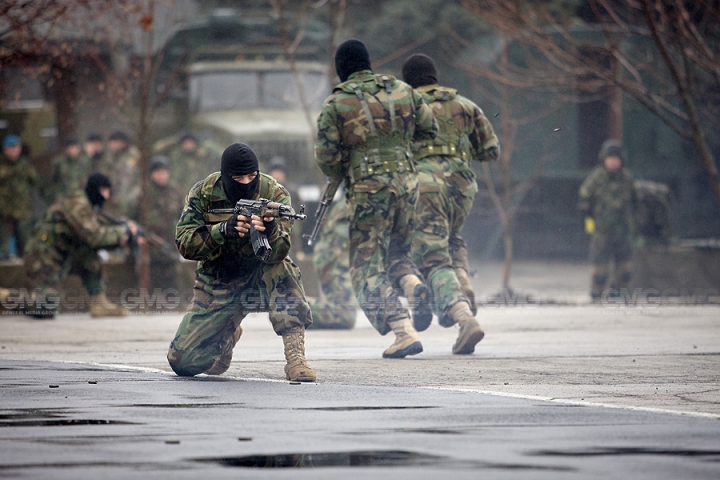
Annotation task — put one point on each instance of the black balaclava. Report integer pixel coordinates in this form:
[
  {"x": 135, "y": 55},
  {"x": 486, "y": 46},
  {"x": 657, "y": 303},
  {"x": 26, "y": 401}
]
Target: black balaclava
[
  {"x": 351, "y": 56},
  {"x": 238, "y": 159},
  {"x": 92, "y": 188},
  {"x": 419, "y": 70}
]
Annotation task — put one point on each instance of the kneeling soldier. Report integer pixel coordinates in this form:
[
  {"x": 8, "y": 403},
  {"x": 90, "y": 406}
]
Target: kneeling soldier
[
  {"x": 67, "y": 240},
  {"x": 231, "y": 281}
]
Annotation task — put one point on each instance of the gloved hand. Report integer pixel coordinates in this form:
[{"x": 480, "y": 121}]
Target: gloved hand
[
  {"x": 589, "y": 225},
  {"x": 228, "y": 228}
]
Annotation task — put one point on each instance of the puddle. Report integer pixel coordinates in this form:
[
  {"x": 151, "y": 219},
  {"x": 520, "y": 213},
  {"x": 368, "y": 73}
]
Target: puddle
[
  {"x": 350, "y": 409},
  {"x": 182, "y": 405},
  {"x": 64, "y": 422},
  {"x": 621, "y": 451},
  {"x": 384, "y": 458}
]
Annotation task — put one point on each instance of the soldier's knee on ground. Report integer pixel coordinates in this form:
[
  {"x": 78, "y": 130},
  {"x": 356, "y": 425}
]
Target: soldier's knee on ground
[{"x": 182, "y": 367}]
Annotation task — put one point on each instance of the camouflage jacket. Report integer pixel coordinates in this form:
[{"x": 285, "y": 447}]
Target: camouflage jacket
[
  {"x": 464, "y": 131},
  {"x": 72, "y": 222},
  {"x": 198, "y": 235},
  {"x": 188, "y": 165},
  {"x": 17, "y": 180},
  {"x": 67, "y": 176},
  {"x": 164, "y": 205},
  {"x": 124, "y": 173},
  {"x": 343, "y": 125},
  {"x": 610, "y": 199}
]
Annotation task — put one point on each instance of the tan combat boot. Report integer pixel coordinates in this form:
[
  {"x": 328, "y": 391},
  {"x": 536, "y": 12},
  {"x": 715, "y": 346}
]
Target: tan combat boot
[
  {"x": 466, "y": 287},
  {"x": 407, "y": 341},
  {"x": 100, "y": 306},
  {"x": 418, "y": 296},
  {"x": 222, "y": 364},
  {"x": 470, "y": 332},
  {"x": 297, "y": 369}
]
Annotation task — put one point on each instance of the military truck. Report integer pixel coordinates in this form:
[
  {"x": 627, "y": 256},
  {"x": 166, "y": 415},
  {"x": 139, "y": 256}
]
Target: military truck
[{"x": 265, "y": 104}]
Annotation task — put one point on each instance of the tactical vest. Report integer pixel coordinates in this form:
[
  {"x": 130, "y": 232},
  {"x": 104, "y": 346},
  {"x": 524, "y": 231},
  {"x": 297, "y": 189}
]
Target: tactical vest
[
  {"x": 381, "y": 152},
  {"x": 449, "y": 140}
]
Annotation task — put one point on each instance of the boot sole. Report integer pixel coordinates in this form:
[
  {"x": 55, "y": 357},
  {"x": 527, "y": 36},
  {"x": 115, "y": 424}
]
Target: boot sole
[
  {"x": 422, "y": 313},
  {"x": 468, "y": 346},
  {"x": 412, "y": 349}
]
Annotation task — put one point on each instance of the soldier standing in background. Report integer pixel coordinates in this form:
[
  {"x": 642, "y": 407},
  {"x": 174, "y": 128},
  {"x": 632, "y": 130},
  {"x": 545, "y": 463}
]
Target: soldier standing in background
[
  {"x": 93, "y": 152},
  {"x": 189, "y": 158},
  {"x": 165, "y": 203},
  {"x": 230, "y": 280},
  {"x": 447, "y": 190},
  {"x": 66, "y": 241},
  {"x": 364, "y": 133},
  {"x": 17, "y": 180},
  {"x": 122, "y": 161},
  {"x": 336, "y": 308},
  {"x": 68, "y": 172},
  {"x": 608, "y": 200}
]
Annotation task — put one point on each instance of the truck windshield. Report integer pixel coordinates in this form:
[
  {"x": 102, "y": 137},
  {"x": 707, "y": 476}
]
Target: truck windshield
[{"x": 239, "y": 90}]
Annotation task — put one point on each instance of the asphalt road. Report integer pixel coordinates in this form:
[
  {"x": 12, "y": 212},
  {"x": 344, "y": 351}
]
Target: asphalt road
[{"x": 581, "y": 391}]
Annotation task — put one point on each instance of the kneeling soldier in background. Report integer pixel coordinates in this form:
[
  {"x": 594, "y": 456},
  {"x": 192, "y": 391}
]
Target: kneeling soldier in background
[{"x": 67, "y": 241}]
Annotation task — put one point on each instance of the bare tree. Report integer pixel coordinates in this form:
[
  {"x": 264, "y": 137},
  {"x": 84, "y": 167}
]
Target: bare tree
[{"x": 662, "y": 54}]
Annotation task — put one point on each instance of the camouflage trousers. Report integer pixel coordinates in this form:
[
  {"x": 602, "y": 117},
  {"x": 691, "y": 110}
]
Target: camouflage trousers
[
  {"x": 218, "y": 307},
  {"x": 46, "y": 268},
  {"x": 438, "y": 248},
  {"x": 606, "y": 251},
  {"x": 10, "y": 227},
  {"x": 382, "y": 213}
]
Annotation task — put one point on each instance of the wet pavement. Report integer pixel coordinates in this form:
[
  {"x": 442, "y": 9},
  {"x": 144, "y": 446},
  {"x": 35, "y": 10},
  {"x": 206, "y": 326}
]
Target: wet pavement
[{"x": 554, "y": 391}]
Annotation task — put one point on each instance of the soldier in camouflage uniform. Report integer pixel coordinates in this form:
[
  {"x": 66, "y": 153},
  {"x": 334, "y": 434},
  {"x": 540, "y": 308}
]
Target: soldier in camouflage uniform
[
  {"x": 17, "y": 180},
  {"x": 122, "y": 164},
  {"x": 189, "y": 158},
  {"x": 608, "y": 200},
  {"x": 93, "y": 153},
  {"x": 364, "y": 133},
  {"x": 231, "y": 281},
  {"x": 68, "y": 172},
  {"x": 336, "y": 307},
  {"x": 447, "y": 190},
  {"x": 66, "y": 241},
  {"x": 165, "y": 202}
]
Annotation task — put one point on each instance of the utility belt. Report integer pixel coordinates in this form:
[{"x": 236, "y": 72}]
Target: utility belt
[
  {"x": 375, "y": 161},
  {"x": 452, "y": 150}
]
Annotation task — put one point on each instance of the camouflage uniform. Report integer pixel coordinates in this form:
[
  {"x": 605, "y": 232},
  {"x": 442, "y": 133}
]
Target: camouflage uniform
[
  {"x": 17, "y": 180},
  {"x": 124, "y": 171},
  {"x": 165, "y": 203},
  {"x": 336, "y": 307},
  {"x": 185, "y": 166},
  {"x": 230, "y": 281},
  {"x": 66, "y": 241},
  {"x": 364, "y": 133},
  {"x": 447, "y": 190},
  {"x": 67, "y": 176},
  {"x": 609, "y": 198}
]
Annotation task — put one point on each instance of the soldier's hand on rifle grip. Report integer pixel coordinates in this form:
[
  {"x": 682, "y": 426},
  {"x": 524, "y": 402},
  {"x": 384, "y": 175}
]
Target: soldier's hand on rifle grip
[
  {"x": 234, "y": 227},
  {"x": 265, "y": 224}
]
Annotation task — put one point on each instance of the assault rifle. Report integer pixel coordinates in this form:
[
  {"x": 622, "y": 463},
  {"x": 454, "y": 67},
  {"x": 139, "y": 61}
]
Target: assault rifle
[
  {"x": 164, "y": 247},
  {"x": 262, "y": 208},
  {"x": 327, "y": 197}
]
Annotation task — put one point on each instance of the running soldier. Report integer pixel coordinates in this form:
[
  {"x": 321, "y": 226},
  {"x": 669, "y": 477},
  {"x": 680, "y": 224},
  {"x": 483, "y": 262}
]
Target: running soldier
[
  {"x": 447, "y": 190},
  {"x": 365, "y": 130}
]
